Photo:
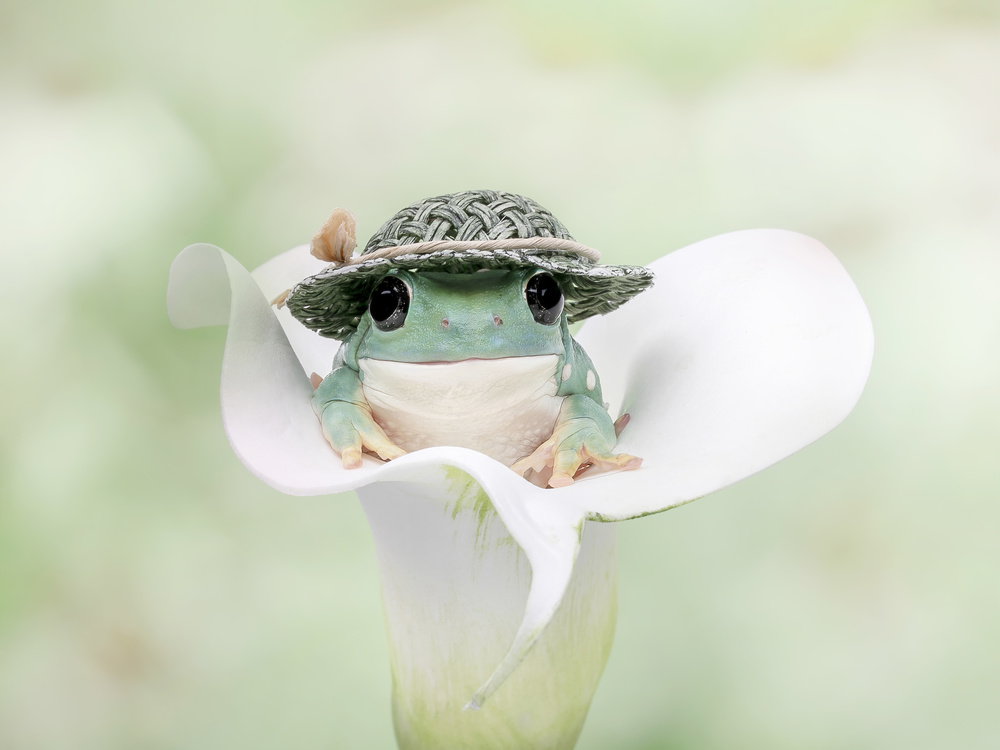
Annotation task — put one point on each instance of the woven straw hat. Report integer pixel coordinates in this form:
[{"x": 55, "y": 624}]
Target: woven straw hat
[{"x": 457, "y": 233}]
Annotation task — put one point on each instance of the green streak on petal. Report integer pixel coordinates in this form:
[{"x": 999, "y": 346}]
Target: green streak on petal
[{"x": 468, "y": 497}]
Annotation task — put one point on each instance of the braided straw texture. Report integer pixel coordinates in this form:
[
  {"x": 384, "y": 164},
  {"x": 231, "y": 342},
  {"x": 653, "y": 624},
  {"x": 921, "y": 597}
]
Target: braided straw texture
[
  {"x": 471, "y": 215},
  {"x": 333, "y": 301}
]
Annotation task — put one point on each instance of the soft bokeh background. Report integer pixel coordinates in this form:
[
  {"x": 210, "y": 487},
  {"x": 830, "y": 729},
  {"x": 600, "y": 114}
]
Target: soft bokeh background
[{"x": 154, "y": 595}]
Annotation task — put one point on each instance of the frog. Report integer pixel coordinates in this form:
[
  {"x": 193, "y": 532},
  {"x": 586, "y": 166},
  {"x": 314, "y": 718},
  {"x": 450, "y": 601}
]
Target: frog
[{"x": 475, "y": 353}]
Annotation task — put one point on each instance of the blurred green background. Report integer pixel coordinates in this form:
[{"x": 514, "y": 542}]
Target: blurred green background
[{"x": 154, "y": 595}]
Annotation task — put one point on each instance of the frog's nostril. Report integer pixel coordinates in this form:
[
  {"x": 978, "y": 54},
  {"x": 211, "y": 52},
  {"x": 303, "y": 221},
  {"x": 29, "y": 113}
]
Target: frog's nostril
[
  {"x": 497, "y": 321},
  {"x": 444, "y": 323}
]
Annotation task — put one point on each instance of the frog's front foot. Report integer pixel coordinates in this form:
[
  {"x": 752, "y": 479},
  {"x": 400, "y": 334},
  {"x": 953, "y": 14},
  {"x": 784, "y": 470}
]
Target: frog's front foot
[
  {"x": 584, "y": 435},
  {"x": 350, "y": 428}
]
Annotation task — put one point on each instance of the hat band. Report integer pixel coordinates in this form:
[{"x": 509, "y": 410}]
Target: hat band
[{"x": 513, "y": 243}]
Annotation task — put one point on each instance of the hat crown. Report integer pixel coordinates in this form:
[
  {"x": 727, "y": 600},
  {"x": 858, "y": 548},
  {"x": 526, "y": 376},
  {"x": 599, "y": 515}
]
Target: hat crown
[
  {"x": 460, "y": 233},
  {"x": 469, "y": 215}
]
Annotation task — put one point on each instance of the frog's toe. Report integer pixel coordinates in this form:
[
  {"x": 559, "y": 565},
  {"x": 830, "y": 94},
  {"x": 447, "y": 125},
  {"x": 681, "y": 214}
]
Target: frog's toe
[
  {"x": 351, "y": 455},
  {"x": 373, "y": 438},
  {"x": 622, "y": 461},
  {"x": 537, "y": 461},
  {"x": 572, "y": 461},
  {"x": 389, "y": 451},
  {"x": 565, "y": 465},
  {"x": 568, "y": 455},
  {"x": 351, "y": 431},
  {"x": 351, "y": 458},
  {"x": 560, "y": 479}
]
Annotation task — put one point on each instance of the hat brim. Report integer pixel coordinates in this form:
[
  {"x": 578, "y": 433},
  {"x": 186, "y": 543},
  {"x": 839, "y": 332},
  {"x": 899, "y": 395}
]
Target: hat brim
[{"x": 333, "y": 301}]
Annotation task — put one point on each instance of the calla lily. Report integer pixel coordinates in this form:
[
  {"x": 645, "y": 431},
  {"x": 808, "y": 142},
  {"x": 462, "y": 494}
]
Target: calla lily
[{"x": 500, "y": 595}]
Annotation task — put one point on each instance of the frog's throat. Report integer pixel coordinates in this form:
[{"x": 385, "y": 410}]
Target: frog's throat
[{"x": 502, "y": 407}]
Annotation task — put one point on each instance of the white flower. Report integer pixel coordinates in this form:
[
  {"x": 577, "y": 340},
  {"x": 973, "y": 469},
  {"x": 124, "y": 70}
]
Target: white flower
[{"x": 750, "y": 346}]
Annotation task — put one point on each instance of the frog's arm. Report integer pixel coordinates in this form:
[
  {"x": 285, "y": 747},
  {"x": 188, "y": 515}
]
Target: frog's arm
[
  {"x": 347, "y": 420},
  {"x": 577, "y": 374},
  {"x": 584, "y": 432}
]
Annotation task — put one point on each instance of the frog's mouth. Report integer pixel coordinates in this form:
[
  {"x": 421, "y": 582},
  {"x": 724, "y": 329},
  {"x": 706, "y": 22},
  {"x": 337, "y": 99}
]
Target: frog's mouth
[{"x": 497, "y": 406}]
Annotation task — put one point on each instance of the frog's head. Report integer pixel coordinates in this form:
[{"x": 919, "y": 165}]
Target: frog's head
[
  {"x": 416, "y": 316},
  {"x": 462, "y": 274}
]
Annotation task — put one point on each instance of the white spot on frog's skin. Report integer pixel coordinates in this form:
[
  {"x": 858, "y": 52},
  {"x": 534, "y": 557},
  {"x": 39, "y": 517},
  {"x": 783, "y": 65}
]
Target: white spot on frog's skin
[
  {"x": 567, "y": 371},
  {"x": 591, "y": 380}
]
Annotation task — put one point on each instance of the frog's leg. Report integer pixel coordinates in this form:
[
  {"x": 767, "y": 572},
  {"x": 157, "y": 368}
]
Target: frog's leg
[
  {"x": 584, "y": 433},
  {"x": 347, "y": 420}
]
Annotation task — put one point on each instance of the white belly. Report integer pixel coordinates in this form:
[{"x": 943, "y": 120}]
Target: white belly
[{"x": 504, "y": 408}]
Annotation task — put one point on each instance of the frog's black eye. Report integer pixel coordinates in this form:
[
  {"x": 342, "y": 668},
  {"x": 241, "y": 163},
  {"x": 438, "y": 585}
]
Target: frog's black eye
[
  {"x": 389, "y": 303},
  {"x": 545, "y": 298}
]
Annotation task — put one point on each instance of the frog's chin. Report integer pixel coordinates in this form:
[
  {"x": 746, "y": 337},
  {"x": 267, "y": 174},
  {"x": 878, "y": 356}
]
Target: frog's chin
[{"x": 502, "y": 407}]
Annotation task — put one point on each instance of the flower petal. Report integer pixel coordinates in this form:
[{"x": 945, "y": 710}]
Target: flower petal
[
  {"x": 432, "y": 564},
  {"x": 271, "y": 426},
  {"x": 280, "y": 274},
  {"x": 547, "y": 530},
  {"x": 750, "y": 346},
  {"x": 265, "y": 393}
]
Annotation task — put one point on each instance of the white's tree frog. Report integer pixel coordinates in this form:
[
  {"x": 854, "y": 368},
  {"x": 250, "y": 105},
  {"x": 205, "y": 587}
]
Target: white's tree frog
[{"x": 464, "y": 344}]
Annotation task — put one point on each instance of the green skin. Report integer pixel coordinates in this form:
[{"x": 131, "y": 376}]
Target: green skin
[{"x": 471, "y": 303}]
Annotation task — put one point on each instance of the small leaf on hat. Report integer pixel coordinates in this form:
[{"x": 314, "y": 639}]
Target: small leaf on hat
[{"x": 335, "y": 242}]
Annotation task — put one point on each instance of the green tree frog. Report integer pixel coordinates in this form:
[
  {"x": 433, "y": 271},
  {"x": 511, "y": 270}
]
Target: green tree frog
[{"x": 465, "y": 342}]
